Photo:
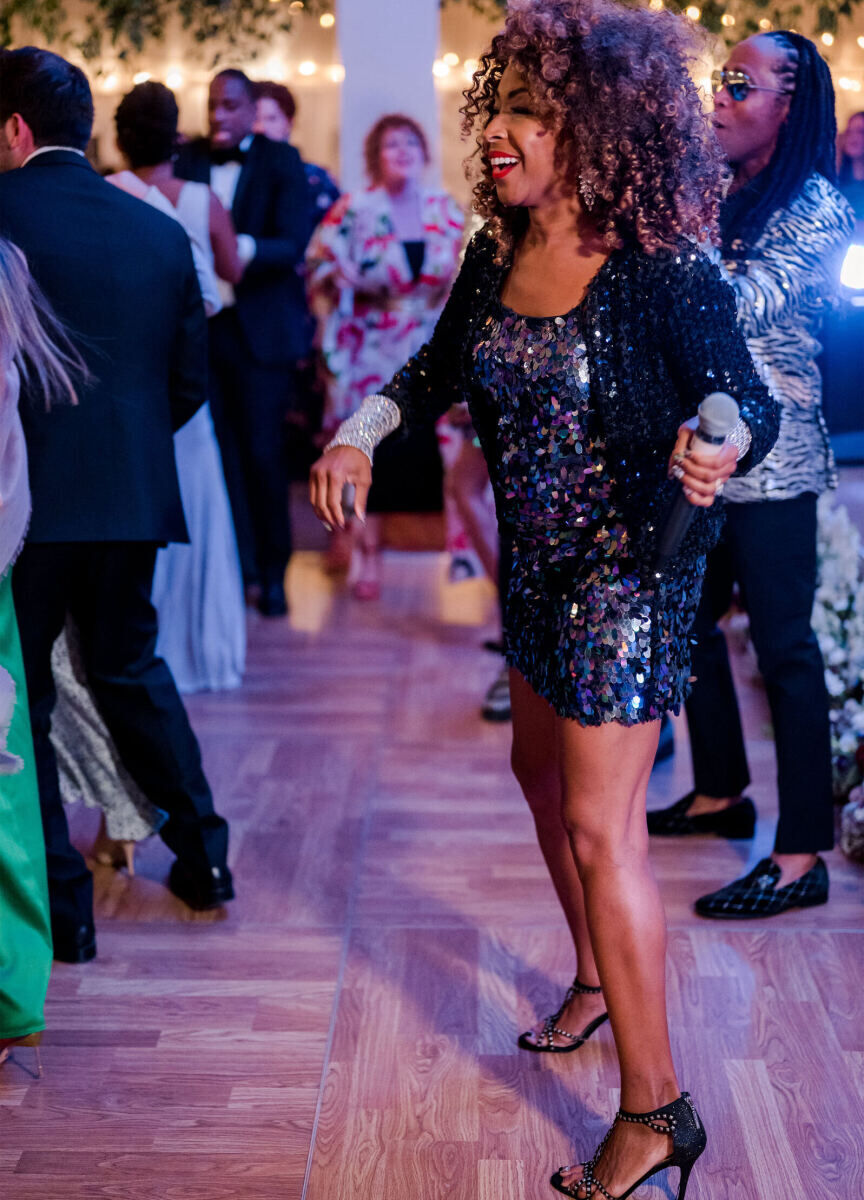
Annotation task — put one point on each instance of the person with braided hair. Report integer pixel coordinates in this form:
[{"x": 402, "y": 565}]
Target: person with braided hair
[{"x": 784, "y": 230}]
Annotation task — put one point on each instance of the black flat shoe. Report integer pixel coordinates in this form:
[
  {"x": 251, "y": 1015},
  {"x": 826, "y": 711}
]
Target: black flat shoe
[
  {"x": 272, "y": 602},
  {"x": 78, "y": 947},
  {"x": 678, "y": 1120},
  {"x": 757, "y": 894},
  {"x": 737, "y": 821},
  {"x": 201, "y": 890},
  {"x": 544, "y": 1043}
]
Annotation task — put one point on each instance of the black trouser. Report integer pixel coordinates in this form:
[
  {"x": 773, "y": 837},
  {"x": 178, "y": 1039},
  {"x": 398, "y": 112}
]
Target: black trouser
[
  {"x": 249, "y": 401},
  {"x": 105, "y": 588},
  {"x": 769, "y": 549}
]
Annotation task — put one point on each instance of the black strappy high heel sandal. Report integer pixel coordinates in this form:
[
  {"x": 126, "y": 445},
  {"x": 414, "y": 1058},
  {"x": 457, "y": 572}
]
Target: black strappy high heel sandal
[
  {"x": 544, "y": 1043},
  {"x": 678, "y": 1120}
]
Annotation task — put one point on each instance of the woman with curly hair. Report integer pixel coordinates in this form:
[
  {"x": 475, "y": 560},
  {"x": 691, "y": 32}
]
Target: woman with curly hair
[{"x": 584, "y": 328}]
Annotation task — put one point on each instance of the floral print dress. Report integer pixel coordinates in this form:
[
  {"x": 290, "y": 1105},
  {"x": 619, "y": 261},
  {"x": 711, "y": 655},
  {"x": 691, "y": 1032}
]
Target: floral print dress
[{"x": 375, "y": 312}]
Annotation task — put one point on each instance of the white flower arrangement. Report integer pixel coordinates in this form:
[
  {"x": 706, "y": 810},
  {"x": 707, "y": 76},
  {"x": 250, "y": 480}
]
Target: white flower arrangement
[{"x": 838, "y": 620}]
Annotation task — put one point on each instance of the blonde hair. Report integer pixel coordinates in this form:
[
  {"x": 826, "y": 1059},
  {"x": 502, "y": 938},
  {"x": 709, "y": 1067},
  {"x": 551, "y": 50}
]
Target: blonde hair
[{"x": 31, "y": 336}]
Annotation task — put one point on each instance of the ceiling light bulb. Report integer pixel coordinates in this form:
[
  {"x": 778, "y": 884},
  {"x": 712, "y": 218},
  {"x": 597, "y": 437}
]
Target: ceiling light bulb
[
  {"x": 693, "y": 12},
  {"x": 728, "y": 20},
  {"x": 440, "y": 69},
  {"x": 827, "y": 39},
  {"x": 142, "y": 77},
  {"x": 307, "y": 67},
  {"x": 326, "y": 20}
]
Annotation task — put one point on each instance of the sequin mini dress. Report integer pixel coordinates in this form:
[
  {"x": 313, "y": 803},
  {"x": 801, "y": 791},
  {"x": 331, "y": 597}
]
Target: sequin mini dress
[{"x": 580, "y": 625}]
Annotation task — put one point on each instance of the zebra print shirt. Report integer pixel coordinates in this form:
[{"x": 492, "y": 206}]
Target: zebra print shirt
[{"x": 783, "y": 289}]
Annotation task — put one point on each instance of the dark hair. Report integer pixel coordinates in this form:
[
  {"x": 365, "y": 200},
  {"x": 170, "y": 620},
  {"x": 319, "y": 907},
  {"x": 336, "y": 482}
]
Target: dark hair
[
  {"x": 807, "y": 143},
  {"x": 241, "y": 77},
  {"x": 845, "y": 175},
  {"x": 631, "y": 138},
  {"x": 375, "y": 136},
  {"x": 281, "y": 94},
  {"x": 49, "y": 93},
  {"x": 146, "y": 121}
]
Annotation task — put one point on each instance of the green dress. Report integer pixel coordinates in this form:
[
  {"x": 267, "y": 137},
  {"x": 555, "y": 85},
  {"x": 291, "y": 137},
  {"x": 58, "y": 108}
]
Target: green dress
[{"x": 25, "y": 928}]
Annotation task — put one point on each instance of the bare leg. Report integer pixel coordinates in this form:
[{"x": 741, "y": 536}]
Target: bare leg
[
  {"x": 368, "y": 547},
  {"x": 536, "y": 766},
  {"x": 465, "y": 482},
  {"x": 604, "y": 779}
]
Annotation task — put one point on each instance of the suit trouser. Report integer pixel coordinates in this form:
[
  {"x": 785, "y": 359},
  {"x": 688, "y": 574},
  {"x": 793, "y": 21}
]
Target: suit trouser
[
  {"x": 769, "y": 549},
  {"x": 105, "y": 588},
  {"x": 249, "y": 401}
]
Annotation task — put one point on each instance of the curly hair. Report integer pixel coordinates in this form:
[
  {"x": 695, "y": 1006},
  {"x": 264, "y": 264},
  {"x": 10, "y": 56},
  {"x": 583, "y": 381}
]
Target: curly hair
[
  {"x": 375, "y": 137},
  {"x": 631, "y": 135}
]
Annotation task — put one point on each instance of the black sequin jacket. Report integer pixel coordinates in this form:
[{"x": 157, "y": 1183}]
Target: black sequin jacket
[{"x": 661, "y": 333}]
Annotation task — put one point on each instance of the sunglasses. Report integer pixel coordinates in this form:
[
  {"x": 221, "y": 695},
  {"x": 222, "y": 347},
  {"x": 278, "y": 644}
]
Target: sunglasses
[{"x": 738, "y": 84}]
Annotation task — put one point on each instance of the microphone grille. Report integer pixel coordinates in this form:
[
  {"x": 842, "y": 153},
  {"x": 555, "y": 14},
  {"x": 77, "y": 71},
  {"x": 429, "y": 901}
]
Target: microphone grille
[{"x": 718, "y": 414}]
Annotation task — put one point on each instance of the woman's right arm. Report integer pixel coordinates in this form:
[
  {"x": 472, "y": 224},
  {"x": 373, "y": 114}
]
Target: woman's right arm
[
  {"x": 419, "y": 393},
  {"x": 223, "y": 239}
]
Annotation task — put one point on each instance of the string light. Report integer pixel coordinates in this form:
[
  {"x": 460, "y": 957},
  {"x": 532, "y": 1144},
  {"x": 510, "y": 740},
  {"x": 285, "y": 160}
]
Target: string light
[
  {"x": 326, "y": 20},
  {"x": 174, "y": 79},
  {"x": 336, "y": 73},
  {"x": 451, "y": 59},
  {"x": 827, "y": 39},
  {"x": 693, "y": 13},
  {"x": 765, "y": 24},
  {"x": 440, "y": 69},
  {"x": 109, "y": 83},
  {"x": 308, "y": 67},
  {"x": 728, "y": 20},
  {"x": 142, "y": 77},
  {"x": 861, "y": 42},
  {"x": 849, "y": 85},
  {"x": 296, "y": 5},
  {"x": 655, "y": 5},
  {"x": 469, "y": 66}
]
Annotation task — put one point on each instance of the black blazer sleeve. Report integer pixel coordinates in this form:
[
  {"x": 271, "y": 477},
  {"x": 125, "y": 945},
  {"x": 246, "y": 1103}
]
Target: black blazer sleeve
[
  {"x": 706, "y": 352},
  {"x": 188, "y": 377},
  {"x": 284, "y": 247},
  {"x": 434, "y": 379}
]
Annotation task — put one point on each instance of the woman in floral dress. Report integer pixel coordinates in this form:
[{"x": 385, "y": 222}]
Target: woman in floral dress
[{"x": 380, "y": 268}]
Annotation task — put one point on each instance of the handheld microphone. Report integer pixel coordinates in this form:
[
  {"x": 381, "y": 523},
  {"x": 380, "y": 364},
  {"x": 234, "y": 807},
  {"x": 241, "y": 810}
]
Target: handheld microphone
[{"x": 718, "y": 416}]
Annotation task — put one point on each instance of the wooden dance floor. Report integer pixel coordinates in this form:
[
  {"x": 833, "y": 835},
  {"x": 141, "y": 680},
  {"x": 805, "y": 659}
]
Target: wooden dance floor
[{"x": 346, "y": 1029}]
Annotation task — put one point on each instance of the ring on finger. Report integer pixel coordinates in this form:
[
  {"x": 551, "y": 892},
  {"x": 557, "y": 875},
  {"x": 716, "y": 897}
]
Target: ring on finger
[
  {"x": 718, "y": 487},
  {"x": 677, "y": 471}
]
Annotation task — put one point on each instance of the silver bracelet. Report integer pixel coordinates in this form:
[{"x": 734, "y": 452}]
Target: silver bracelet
[
  {"x": 740, "y": 437},
  {"x": 376, "y": 417}
]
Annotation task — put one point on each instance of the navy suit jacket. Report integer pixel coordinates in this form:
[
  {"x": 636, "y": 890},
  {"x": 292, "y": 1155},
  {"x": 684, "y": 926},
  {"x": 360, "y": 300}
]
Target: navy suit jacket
[
  {"x": 120, "y": 275},
  {"x": 271, "y": 204}
]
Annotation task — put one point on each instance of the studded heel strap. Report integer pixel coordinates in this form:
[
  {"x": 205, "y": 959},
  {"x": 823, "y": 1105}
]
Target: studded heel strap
[{"x": 575, "y": 989}]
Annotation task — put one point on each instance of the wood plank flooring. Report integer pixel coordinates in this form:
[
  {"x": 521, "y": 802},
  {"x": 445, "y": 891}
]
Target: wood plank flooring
[{"x": 346, "y": 1028}]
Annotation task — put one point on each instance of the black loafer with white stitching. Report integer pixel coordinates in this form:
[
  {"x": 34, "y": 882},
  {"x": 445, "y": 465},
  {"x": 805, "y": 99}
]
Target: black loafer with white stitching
[{"x": 757, "y": 894}]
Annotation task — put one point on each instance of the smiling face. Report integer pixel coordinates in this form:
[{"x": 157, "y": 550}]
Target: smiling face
[
  {"x": 748, "y": 129},
  {"x": 520, "y": 147},
  {"x": 401, "y": 157},
  {"x": 231, "y": 110}
]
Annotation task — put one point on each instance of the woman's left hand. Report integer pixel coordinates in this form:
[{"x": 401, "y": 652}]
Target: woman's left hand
[{"x": 702, "y": 475}]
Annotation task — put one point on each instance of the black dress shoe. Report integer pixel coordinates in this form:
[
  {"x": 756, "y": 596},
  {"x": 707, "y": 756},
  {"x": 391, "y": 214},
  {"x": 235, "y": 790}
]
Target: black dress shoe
[
  {"x": 271, "y": 602},
  {"x": 77, "y": 947},
  {"x": 201, "y": 889},
  {"x": 757, "y": 894},
  {"x": 737, "y": 821}
]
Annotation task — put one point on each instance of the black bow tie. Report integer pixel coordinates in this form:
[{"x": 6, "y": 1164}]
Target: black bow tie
[{"x": 231, "y": 154}]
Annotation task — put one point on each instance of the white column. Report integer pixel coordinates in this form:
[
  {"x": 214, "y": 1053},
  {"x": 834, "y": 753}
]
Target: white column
[{"x": 387, "y": 48}]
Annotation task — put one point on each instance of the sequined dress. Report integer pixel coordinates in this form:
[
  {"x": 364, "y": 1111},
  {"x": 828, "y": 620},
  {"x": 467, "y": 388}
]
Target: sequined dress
[{"x": 580, "y": 625}]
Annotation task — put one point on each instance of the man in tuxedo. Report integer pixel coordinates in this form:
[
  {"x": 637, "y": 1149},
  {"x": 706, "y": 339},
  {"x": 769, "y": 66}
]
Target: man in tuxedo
[
  {"x": 102, "y": 473},
  {"x": 260, "y": 332}
]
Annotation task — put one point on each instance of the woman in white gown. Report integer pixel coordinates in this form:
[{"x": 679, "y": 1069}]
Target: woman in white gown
[{"x": 197, "y": 588}]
